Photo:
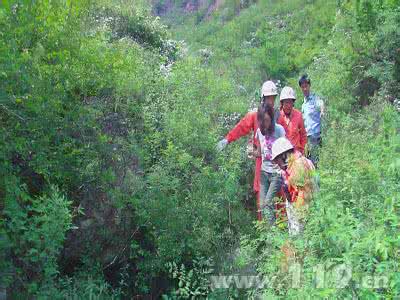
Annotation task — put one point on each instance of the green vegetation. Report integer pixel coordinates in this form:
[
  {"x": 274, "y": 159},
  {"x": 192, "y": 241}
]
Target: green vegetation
[
  {"x": 110, "y": 184},
  {"x": 349, "y": 50},
  {"x": 90, "y": 114}
]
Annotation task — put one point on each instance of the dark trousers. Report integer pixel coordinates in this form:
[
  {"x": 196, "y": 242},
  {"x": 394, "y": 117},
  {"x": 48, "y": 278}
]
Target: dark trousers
[{"x": 314, "y": 145}]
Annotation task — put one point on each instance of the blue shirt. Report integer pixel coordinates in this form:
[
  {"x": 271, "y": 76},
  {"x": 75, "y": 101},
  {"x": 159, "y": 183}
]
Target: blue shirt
[{"x": 311, "y": 109}]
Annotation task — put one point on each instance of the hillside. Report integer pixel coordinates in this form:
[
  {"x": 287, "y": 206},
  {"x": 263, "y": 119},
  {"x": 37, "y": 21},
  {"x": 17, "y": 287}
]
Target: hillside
[
  {"x": 350, "y": 51},
  {"x": 110, "y": 182}
]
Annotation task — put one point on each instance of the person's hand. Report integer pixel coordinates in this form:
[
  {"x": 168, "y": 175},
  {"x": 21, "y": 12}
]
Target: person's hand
[{"x": 222, "y": 144}]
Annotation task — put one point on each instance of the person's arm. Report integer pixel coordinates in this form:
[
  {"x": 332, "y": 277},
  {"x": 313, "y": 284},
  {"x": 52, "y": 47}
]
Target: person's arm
[
  {"x": 242, "y": 128},
  {"x": 303, "y": 134}
]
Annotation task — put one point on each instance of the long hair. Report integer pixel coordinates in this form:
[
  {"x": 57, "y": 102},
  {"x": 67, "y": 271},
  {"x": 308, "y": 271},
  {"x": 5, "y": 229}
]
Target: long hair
[{"x": 262, "y": 110}]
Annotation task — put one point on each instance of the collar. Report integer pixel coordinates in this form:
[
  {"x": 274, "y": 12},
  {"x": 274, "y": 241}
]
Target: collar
[
  {"x": 310, "y": 96},
  {"x": 287, "y": 118}
]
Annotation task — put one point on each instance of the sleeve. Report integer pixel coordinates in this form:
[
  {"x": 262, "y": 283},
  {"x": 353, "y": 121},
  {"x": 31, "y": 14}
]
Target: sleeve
[
  {"x": 242, "y": 128},
  {"x": 279, "y": 131},
  {"x": 303, "y": 134},
  {"x": 280, "y": 121},
  {"x": 282, "y": 131}
]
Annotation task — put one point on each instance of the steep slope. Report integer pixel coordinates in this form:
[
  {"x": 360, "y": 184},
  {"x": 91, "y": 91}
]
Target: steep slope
[
  {"x": 109, "y": 172},
  {"x": 110, "y": 183},
  {"x": 350, "y": 247}
]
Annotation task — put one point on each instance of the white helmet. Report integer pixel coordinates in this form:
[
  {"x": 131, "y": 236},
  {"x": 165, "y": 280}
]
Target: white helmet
[
  {"x": 287, "y": 93},
  {"x": 280, "y": 146},
  {"x": 269, "y": 89}
]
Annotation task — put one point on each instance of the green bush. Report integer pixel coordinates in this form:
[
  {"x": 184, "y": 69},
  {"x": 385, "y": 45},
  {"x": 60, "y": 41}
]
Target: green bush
[
  {"x": 94, "y": 102},
  {"x": 349, "y": 50},
  {"x": 36, "y": 230},
  {"x": 100, "y": 106}
]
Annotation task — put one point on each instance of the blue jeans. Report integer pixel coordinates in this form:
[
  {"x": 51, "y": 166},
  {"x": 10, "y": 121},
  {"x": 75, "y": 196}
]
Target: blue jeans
[{"x": 270, "y": 184}]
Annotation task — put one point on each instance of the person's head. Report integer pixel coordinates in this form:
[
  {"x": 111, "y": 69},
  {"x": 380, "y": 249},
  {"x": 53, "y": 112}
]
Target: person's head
[
  {"x": 268, "y": 93},
  {"x": 281, "y": 150},
  {"x": 287, "y": 98},
  {"x": 265, "y": 118},
  {"x": 305, "y": 85}
]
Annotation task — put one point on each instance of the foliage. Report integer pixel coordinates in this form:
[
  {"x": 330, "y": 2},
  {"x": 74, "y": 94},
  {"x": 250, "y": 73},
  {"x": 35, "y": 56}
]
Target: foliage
[
  {"x": 110, "y": 184},
  {"x": 38, "y": 227},
  {"x": 86, "y": 106},
  {"x": 349, "y": 50},
  {"x": 362, "y": 198},
  {"x": 192, "y": 283}
]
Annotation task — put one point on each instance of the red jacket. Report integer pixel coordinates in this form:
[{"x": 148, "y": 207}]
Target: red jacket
[
  {"x": 245, "y": 125},
  {"x": 295, "y": 130}
]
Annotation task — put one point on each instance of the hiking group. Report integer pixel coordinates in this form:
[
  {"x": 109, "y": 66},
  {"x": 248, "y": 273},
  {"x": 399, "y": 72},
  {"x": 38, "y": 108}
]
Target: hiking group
[{"x": 285, "y": 145}]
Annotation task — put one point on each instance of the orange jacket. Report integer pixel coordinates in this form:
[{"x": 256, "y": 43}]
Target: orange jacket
[
  {"x": 295, "y": 130},
  {"x": 299, "y": 178},
  {"x": 244, "y": 127}
]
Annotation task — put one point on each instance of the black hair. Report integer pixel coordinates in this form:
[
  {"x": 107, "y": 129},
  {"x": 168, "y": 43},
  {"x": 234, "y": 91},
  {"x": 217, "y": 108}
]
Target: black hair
[
  {"x": 262, "y": 110},
  {"x": 303, "y": 79}
]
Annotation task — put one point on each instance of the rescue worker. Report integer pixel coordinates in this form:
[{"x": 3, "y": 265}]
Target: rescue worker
[
  {"x": 299, "y": 183},
  {"x": 292, "y": 120},
  {"x": 270, "y": 179},
  {"x": 244, "y": 127},
  {"x": 313, "y": 110}
]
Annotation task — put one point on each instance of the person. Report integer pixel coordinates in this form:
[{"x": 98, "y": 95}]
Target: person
[
  {"x": 292, "y": 120},
  {"x": 299, "y": 182},
  {"x": 313, "y": 111},
  {"x": 244, "y": 127},
  {"x": 270, "y": 178}
]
